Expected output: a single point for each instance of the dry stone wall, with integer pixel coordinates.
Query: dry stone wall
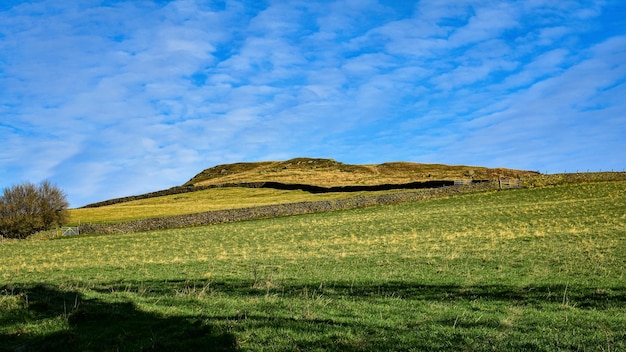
(276, 210)
(281, 186)
(269, 211)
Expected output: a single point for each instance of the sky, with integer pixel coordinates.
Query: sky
(114, 98)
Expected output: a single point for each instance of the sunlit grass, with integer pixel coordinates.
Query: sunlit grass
(538, 269)
(197, 202)
(327, 173)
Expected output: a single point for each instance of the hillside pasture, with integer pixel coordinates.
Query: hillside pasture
(200, 201)
(525, 270)
(330, 173)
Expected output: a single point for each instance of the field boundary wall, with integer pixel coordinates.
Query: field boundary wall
(276, 210)
(284, 186)
(268, 211)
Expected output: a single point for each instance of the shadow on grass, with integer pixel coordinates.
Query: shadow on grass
(547, 308)
(47, 318)
(91, 324)
(581, 297)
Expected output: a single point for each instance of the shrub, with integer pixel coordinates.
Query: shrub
(27, 208)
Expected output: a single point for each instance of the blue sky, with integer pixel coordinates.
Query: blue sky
(115, 98)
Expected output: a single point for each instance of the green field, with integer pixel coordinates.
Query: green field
(531, 269)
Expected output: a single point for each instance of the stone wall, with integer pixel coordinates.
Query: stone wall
(275, 210)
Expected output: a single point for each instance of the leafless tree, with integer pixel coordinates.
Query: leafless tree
(27, 208)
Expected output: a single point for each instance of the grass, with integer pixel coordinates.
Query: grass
(328, 173)
(530, 269)
(197, 202)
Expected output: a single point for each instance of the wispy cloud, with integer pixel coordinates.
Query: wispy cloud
(115, 98)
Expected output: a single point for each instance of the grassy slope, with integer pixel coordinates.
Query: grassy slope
(530, 269)
(327, 173)
(319, 172)
(197, 202)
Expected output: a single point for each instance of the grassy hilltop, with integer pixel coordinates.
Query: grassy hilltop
(328, 173)
(193, 197)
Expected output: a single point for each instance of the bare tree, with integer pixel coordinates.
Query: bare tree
(26, 209)
(52, 205)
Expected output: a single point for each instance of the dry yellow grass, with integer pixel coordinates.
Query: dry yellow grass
(197, 202)
(328, 173)
(317, 172)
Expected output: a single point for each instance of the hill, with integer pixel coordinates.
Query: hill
(272, 184)
(193, 205)
(331, 173)
(326, 175)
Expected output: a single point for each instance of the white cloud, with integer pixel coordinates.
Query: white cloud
(554, 121)
(543, 65)
(548, 36)
(133, 97)
(488, 22)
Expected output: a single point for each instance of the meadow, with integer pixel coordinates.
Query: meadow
(197, 202)
(528, 270)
